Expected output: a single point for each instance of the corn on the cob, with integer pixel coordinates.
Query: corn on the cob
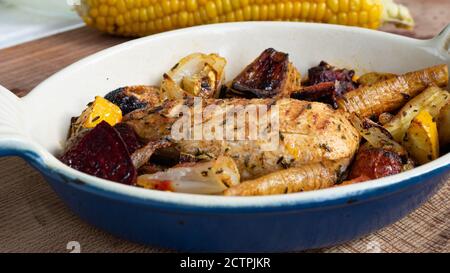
(144, 17)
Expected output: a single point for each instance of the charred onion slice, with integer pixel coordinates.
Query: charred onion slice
(195, 75)
(270, 75)
(376, 135)
(211, 177)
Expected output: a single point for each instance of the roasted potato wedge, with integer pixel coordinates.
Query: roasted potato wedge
(444, 125)
(432, 100)
(374, 77)
(421, 139)
(393, 93)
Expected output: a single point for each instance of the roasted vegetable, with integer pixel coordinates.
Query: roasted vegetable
(198, 75)
(375, 163)
(376, 135)
(444, 125)
(141, 156)
(98, 111)
(211, 177)
(421, 139)
(326, 84)
(374, 77)
(431, 100)
(129, 137)
(271, 75)
(131, 98)
(101, 152)
(385, 118)
(393, 93)
(141, 18)
(304, 178)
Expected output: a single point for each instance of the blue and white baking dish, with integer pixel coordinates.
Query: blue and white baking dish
(34, 128)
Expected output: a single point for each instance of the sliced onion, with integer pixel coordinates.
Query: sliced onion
(211, 177)
(195, 75)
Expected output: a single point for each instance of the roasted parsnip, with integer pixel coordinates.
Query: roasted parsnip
(304, 178)
(374, 77)
(391, 94)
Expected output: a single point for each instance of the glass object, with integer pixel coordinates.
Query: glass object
(45, 7)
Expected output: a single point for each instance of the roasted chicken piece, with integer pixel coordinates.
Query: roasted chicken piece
(310, 135)
(271, 75)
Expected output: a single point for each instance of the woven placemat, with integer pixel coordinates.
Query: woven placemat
(33, 219)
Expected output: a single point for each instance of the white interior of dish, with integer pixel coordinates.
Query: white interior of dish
(51, 105)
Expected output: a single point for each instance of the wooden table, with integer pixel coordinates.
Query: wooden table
(33, 219)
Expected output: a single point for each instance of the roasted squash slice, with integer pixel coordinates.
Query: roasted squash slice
(421, 139)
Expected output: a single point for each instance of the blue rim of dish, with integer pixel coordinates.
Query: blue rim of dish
(52, 168)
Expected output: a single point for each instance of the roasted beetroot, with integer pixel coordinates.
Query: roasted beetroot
(129, 137)
(375, 163)
(326, 84)
(102, 153)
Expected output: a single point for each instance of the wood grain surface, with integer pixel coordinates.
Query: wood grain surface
(33, 219)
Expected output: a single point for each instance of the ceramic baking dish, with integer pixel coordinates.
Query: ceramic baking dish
(34, 127)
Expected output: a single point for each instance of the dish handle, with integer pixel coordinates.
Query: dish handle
(13, 138)
(442, 40)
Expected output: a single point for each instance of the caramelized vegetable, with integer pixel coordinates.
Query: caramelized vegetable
(304, 178)
(385, 118)
(431, 100)
(141, 156)
(195, 75)
(444, 125)
(101, 152)
(100, 110)
(131, 98)
(375, 163)
(211, 177)
(374, 77)
(421, 139)
(392, 94)
(271, 75)
(326, 84)
(376, 135)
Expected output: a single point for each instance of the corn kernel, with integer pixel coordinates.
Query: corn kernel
(142, 17)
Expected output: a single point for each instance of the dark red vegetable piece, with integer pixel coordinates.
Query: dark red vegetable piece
(326, 84)
(265, 77)
(102, 153)
(129, 137)
(375, 163)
